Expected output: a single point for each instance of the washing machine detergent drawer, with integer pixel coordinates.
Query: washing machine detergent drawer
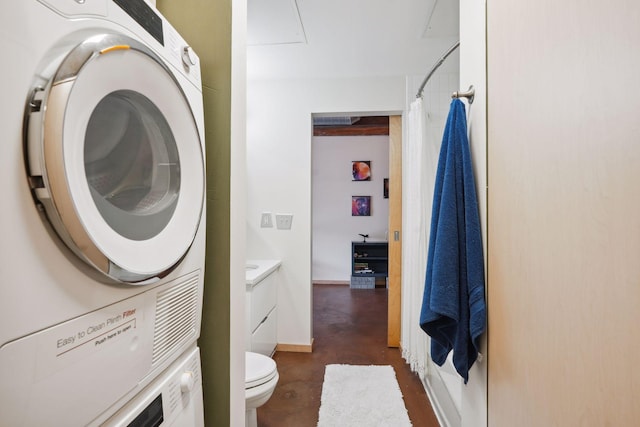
(71, 372)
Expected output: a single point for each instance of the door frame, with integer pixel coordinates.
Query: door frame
(394, 303)
(394, 306)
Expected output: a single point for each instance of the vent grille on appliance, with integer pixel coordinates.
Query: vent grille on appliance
(176, 313)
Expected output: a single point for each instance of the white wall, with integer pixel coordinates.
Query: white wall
(333, 226)
(237, 227)
(473, 72)
(279, 133)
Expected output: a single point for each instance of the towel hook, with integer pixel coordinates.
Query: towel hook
(470, 94)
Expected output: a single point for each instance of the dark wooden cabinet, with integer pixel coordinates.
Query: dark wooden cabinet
(369, 261)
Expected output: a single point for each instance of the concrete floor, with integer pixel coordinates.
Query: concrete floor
(350, 327)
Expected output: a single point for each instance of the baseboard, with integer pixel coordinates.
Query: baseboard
(331, 282)
(296, 348)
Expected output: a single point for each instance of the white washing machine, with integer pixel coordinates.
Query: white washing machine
(103, 203)
(173, 399)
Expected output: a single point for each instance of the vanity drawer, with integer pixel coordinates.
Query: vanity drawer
(264, 338)
(263, 300)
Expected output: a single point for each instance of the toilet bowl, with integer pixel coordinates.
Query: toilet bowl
(261, 377)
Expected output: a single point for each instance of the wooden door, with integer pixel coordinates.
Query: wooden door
(395, 231)
(564, 197)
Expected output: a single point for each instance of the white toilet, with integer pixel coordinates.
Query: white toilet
(261, 377)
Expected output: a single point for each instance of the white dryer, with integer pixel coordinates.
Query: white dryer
(103, 175)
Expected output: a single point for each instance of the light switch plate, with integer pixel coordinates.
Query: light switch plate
(283, 221)
(265, 220)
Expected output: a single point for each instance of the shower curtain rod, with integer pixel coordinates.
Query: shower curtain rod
(435, 67)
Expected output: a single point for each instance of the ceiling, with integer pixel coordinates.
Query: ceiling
(329, 38)
(369, 125)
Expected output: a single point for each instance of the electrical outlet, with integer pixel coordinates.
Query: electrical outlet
(265, 220)
(283, 221)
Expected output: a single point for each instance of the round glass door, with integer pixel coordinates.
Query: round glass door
(122, 159)
(131, 164)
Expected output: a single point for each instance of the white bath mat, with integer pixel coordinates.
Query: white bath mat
(367, 396)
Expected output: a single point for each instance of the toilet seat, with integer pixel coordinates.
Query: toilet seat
(259, 369)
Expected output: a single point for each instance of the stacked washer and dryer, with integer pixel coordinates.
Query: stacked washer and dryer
(103, 229)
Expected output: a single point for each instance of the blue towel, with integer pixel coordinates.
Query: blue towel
(453, 307)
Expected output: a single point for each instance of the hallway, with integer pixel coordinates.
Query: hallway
(350, 327)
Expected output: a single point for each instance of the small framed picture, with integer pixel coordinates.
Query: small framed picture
(361, 170)
(360, 205)
(385, 188)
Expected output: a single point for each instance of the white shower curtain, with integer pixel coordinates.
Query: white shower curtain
(420, 159)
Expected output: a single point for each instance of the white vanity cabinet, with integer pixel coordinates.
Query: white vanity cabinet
(261, 309)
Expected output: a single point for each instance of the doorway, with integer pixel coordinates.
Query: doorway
(340, 144)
